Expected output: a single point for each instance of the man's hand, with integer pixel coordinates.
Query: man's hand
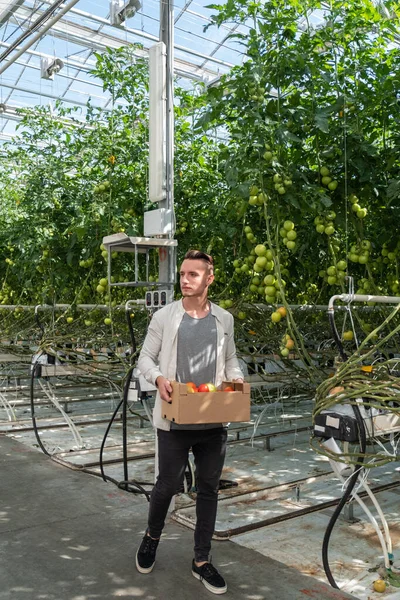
(164, 387)
(239, 380)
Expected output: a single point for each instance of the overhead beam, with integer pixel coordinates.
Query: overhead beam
(50, 23)
(9, 10)
(87, 36)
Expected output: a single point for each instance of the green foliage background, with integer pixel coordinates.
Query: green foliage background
(305, 98)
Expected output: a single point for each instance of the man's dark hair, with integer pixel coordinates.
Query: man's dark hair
(199, 255)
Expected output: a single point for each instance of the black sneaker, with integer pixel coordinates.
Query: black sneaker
(210, 577)
(146, 555)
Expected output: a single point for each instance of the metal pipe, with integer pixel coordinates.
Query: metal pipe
(38, 35)
(362, 298)
(151, 37)
(47, 95)
(68, 62)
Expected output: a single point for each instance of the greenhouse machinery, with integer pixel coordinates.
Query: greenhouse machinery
(358, 406)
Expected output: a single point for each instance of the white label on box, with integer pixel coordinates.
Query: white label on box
(319, 428)
(332, 422)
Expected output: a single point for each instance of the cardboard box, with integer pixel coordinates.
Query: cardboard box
(208, 407)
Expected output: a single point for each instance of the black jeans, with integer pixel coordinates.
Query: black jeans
(208, 447)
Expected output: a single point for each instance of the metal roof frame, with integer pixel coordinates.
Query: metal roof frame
(91, 32)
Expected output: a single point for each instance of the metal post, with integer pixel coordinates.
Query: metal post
(167, 264)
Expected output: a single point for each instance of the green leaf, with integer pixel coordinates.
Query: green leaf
(232, 176)
(321, 122)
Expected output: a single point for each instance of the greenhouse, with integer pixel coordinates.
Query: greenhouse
(199, 299)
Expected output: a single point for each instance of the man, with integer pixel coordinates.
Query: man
(188, 340)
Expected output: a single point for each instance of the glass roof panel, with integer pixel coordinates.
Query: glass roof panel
(86, 28)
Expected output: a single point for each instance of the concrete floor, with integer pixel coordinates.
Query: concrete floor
(66, 535)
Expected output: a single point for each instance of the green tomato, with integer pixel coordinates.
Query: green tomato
(269, 280)
(270, 290)
(362, 213)
(260, 250)
(288, 225)
(261, 261)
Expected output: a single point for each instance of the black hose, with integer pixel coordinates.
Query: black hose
(131, 333)
(124, 420)
(129, 486)
(353, 480)
(336, 336)
(35, 368)
(39, 323)
(126, 484)
(105, 439)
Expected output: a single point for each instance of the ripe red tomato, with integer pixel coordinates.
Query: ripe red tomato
(203, 387)
(228, 388)
(206, 387)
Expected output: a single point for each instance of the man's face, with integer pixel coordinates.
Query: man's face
(195, 277)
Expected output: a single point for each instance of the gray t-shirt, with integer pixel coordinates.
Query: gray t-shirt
(197, 356)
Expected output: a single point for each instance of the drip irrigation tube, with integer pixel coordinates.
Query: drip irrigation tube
(363, 443)
(345, 497)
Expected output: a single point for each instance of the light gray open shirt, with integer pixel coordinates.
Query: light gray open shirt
(159, 351)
